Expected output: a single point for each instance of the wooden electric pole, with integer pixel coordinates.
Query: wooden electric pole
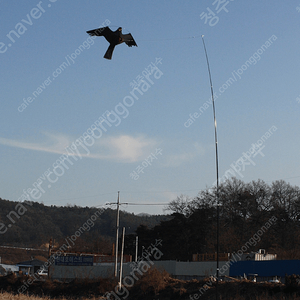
(117, 235)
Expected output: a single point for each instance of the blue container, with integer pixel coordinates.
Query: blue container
(267, 268)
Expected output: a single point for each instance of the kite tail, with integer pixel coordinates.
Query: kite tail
(109, 52)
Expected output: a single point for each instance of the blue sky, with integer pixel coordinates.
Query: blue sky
(56, 86)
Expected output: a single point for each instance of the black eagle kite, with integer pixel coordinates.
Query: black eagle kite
(114, 38)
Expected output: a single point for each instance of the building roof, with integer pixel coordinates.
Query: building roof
(34, 262)
(12, 268)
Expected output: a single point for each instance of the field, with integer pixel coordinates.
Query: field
(8, 296)
(154, 285)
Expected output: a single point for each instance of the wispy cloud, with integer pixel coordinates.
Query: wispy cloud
(123, 148)
(51, 143)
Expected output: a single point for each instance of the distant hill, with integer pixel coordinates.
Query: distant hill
(12, 255)
(32, 224)
(252, 216)
(143, 215)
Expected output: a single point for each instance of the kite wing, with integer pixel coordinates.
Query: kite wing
(128, 39)
(100, 32)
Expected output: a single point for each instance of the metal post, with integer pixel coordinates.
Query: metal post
(117, 235)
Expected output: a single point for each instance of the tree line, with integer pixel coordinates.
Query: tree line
(190, 227)
(37, 223)
(244, 208)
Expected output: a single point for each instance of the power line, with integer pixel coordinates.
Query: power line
(172, 39)
(130, 203)
(151, 192)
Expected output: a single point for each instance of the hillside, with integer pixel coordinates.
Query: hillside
(252, 216)
(32, 224)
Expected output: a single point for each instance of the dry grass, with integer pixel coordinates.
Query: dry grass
(159, 285)
(264, 297)
(154, 280)
(153, 284)
(8, 296)
(48, 289)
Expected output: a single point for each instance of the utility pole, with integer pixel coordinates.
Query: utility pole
(121, 262)
(136, 247)
(117, 235)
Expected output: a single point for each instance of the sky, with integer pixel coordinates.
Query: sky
(77, 128)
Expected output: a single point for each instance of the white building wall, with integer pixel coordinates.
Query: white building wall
(172, 267)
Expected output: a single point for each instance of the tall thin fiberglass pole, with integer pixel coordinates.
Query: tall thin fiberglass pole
(217, 163)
